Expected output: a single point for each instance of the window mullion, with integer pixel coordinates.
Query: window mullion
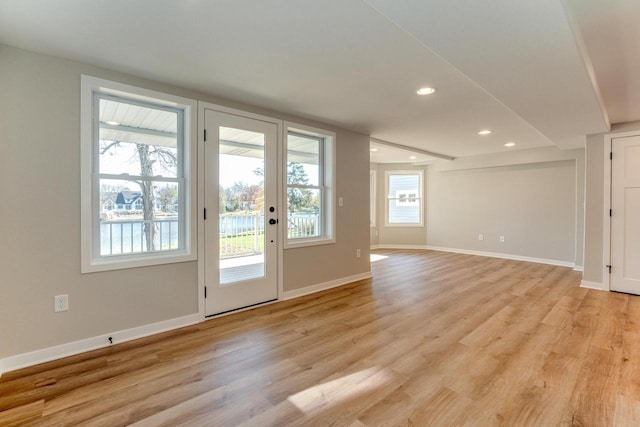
(126, 177)
(305, 186)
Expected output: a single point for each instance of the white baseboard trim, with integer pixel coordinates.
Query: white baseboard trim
(324, 286)
(592, 285)
(504, 256)
(400, 247)
(578, 268)
(36, 357)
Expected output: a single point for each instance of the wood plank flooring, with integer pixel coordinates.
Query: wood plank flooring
(435, 339)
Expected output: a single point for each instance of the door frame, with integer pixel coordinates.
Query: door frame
(606, 226)
(202, 106)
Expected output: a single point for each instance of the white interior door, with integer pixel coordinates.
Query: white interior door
(625, 219)
(241, 212)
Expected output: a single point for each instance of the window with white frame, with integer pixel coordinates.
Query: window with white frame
(372, 198)
(309, 186)
(404, 198)
(136, 166)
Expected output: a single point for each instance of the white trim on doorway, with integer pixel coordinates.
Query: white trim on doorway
(606, 219)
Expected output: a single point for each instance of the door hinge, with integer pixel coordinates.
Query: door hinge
(205, 291)
(611, 155)
(205, 213)
(609, 267)
(205, 134)
(610, 212)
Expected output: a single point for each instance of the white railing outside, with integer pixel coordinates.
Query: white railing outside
(119, 237)
(243, 234)
(307, 225)
(240, 234)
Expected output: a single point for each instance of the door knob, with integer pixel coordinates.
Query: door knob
(273, 221)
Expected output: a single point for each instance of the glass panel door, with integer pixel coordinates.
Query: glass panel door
(241, 228)
(241, 202)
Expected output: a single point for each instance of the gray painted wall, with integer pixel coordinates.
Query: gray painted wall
(533, 205)
(318, 264)
(594, 207)
(40, 208)
(532, 197)
(535, 198)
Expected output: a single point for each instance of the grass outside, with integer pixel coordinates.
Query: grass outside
(242, 244)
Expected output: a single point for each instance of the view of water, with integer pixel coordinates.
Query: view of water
(125, 237)
(231, 225)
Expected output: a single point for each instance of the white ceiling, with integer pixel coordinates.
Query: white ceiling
(532, 71)
(385, 153)
(611, 33)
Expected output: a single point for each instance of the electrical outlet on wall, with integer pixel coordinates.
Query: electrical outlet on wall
(480, 236)
(502, 239)
(60, 303)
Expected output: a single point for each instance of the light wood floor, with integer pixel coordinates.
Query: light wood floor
(434, 339)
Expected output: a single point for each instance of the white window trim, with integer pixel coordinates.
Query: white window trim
(420, 174)
(372, 203)
(89, 192)
(328, 202)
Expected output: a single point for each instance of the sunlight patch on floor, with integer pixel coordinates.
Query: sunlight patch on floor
(334, 392)
(376, 257)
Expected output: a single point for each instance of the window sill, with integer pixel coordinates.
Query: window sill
(117, 263)
(302, 243)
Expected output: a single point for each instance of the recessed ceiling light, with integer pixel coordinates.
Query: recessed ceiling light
(485, 132)
(374, 149)
(509, 144)
(412, 157)
(425, 91)
(112, 123)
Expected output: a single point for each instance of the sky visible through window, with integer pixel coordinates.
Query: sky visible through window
(234, 169)
(239, 169)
